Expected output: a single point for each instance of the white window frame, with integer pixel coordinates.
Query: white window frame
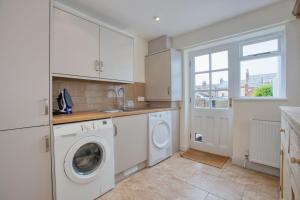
(242, 39)
(230, 89)
(282, 71)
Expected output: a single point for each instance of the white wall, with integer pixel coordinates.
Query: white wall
(271, 15)
(244, 111)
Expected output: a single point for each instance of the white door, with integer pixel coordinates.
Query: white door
(24, 63)
(75, 46)
(25, 164)
(210, 89)
(116, 54)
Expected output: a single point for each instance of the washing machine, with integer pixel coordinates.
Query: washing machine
(160, 137)
(84, 159)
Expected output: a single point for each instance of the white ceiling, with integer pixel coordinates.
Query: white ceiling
(177, 16)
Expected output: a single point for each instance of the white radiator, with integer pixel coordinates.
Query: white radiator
(265, 143)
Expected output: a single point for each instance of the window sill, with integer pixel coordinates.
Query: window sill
(260, 99)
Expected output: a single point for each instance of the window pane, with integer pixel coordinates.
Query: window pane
(261, 47)
(219, 99)
(202, 81)
(260, 78)
(202, 99)
(202, 63)
(219, 60)
(220, 80)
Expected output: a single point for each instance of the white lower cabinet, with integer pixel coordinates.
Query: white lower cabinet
(175, 117)
(25, 164)
(130, 141)
(290, 160)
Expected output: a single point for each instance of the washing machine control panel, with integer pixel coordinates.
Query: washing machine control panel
(87, 127)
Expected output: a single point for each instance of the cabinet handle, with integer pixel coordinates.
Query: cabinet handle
(168, 90)
(101, 66)
(295, 160)
(97, 65)
(230, 102)
(46, 111)
(47, 143)
(115, 130)
(282, 130)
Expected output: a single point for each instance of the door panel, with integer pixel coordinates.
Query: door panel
(76, 45)
(25, 164)
(158, 66)
(117, 55)
(210, 90)
(125, 155)
(24, 61)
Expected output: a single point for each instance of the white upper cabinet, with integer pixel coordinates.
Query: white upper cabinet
(24, 63)
(75, 46)
(116, 55)
(164, 76)
(86, 50)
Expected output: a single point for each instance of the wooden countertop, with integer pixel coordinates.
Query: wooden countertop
(293, 116)
(93, 115)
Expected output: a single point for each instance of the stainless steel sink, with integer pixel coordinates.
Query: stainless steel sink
(119, 110)
(113, 111)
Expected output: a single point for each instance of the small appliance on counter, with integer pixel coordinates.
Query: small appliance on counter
(65, 103)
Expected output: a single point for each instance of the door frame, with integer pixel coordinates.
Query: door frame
(232, 75)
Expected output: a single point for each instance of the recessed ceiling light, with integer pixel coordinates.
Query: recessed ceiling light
(156, 18)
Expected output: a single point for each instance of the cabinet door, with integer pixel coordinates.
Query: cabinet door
(158, 76)
(75, 46)
(25, 164)
(175, 130)
(116, 56)
(286, 180)
(176, 76)
(24, 61)
(130, 141)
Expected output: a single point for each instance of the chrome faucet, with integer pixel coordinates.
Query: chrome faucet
(124, 100)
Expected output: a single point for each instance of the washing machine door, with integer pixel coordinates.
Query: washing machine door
(161, 135)
(86, 158)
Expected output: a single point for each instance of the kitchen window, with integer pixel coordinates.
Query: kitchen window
(261, 69)
(248, 67)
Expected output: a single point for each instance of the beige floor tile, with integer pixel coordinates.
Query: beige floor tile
(181, 179)
(217, 185)
(212, 197)
(252, 195)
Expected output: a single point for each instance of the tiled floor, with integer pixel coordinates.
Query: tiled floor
(180, 179)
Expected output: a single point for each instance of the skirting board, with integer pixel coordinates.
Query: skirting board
(184, 148)
(256, 167)
(123, 175)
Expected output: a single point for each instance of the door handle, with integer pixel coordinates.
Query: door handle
(46, 111)
(47, 143)
(282, 130)
(295, 160)
(101, 66)
(230, 102)
(97, 65)
(115, 130)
